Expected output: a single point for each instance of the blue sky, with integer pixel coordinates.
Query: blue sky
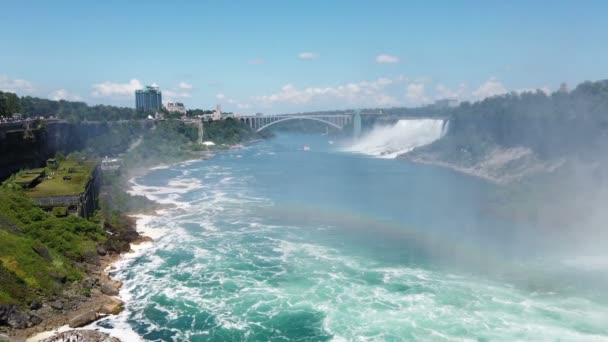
(288, 56)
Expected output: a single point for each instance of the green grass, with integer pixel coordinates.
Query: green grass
(23, 273)
(59, 211)
(57, 186)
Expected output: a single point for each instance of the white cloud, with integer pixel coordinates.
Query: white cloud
(106, 89)
(387, 59)
(491, 87)
(15, 85)
(459, 93)
(62, 94)
(308, 55)
(416, 93)
(172, 94)
(223, 98)
(256, 61)
(185, 86)
(359, 93)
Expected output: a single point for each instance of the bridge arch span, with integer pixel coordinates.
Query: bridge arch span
(329, 123)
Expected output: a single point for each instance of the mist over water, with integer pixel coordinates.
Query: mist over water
(273, 242)
(389, 141)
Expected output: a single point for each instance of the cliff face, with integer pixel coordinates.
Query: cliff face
(20, 148)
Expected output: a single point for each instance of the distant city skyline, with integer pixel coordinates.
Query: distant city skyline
(279, 57)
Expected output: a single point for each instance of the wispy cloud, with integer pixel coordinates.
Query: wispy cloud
(459, 93)
(382, 92)
(491, 87)
(62, 94)
(107, 89)
(387, 59)
(171, 95)
(15, 85)
(239, 105)
(185, 86)
(416, 93)
(308, 55)
(360, 93)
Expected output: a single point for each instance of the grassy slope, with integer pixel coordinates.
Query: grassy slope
(24, 274)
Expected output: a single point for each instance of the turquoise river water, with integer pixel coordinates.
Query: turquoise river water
(273, 242)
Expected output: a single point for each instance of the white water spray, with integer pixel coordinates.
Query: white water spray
(401, 137)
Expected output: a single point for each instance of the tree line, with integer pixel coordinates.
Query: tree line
(551, 124)
(76, 111)
(30, 107)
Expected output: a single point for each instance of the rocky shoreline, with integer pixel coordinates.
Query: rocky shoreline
(82, 302)
(77, 307)
(57, 324)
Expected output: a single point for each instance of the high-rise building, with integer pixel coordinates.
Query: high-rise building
(148, 99)
(563, 88)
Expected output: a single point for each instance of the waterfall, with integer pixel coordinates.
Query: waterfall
(401, 137)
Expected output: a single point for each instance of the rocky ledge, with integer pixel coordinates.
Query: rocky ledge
(72, 308)
(81, 336)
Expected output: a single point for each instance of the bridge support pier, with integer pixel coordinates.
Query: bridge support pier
(357, 125)
(200, 132)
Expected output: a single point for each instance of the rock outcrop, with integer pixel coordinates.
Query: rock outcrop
(11, 315)
(83, 319)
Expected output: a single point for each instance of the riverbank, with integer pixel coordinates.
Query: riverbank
(104, 302)
(73, 309)
(500, 166)
(105, 297)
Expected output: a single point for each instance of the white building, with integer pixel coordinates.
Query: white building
(176, 107)
(217, 115)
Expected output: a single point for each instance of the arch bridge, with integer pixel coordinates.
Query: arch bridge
(261, 122)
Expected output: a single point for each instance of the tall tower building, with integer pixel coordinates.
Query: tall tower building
(217, 115)
(148, 99)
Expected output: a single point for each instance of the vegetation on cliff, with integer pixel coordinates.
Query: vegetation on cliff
(40, 253)
(173, 140)
(524, 132)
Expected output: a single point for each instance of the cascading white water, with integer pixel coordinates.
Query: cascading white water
(401, 137)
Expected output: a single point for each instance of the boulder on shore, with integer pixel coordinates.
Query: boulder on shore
(81, 335)
(57, 305)
(83, 319)
(113, 307)
(109, 289)
(11, 315)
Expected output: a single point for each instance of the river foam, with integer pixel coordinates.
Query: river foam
(223, 269)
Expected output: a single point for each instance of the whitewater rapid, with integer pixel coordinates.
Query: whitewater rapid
(275, 243)
(389, 141)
